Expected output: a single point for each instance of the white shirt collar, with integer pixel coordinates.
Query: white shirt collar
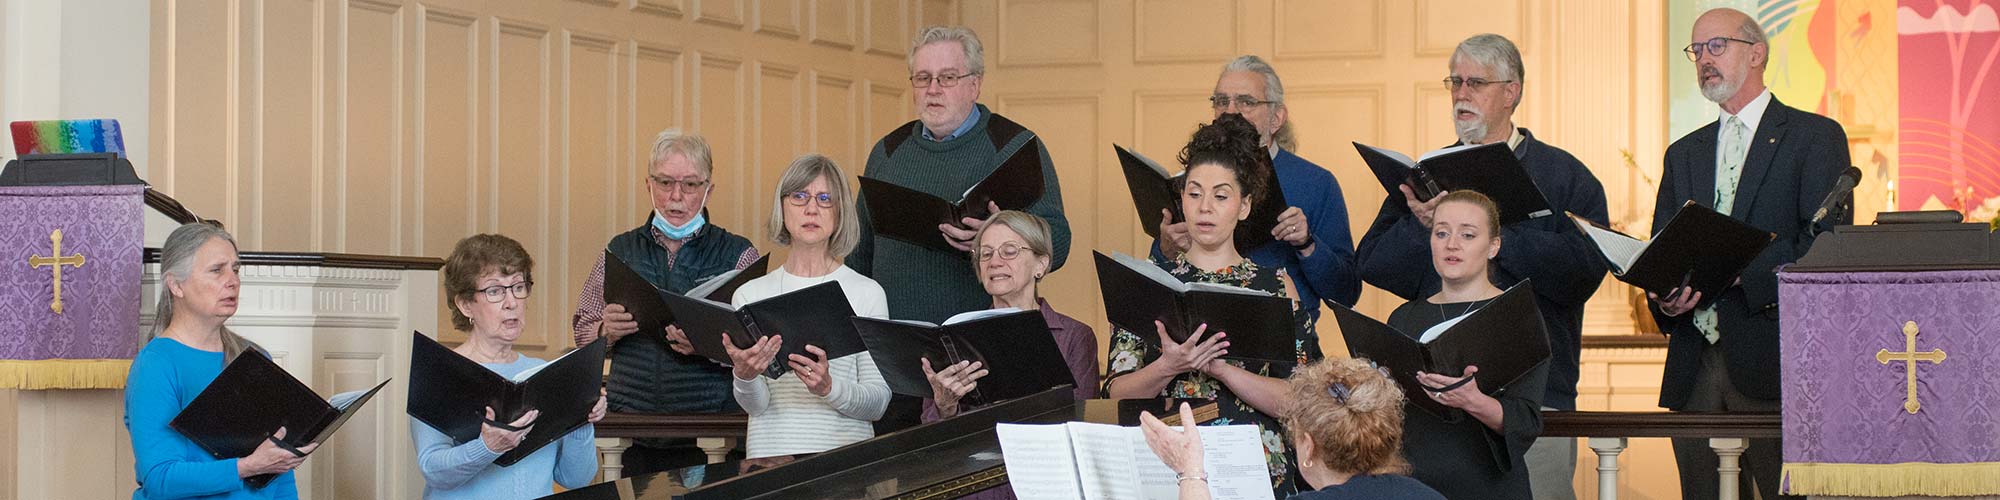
(1751, 114)
(1514, 141)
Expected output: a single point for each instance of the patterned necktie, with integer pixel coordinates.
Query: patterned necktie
(1728, 172)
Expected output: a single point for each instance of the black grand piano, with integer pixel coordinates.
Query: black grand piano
(946, 459)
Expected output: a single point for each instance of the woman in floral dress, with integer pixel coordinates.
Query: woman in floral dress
(1225, 175)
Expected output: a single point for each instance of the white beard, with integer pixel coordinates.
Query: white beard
(1469, 131)
(1722, 91)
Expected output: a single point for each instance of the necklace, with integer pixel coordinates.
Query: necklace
(1469, 306)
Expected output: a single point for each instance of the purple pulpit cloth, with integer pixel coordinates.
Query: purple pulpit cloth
(89, 344)
(1848, 430)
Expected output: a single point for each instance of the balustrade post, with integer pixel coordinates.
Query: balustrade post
(611, 457)
(1727, 452)
(1608, 449)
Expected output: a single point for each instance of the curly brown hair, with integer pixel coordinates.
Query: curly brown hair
(475, 256)
(1231, 142)
(1361, 433)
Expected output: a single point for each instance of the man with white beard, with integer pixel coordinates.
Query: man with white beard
(1485, 83)
(1768, 165)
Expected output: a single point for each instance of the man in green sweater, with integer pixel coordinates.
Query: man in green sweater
(952, 145)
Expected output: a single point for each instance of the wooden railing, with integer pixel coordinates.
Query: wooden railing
(714, 434)
(1607, 431)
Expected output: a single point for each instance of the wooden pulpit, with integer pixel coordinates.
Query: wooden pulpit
(1891, 362)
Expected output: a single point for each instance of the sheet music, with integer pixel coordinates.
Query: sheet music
(1110, 462)
(979, 315)
(1149, 270)
(1620, 250)
(716, 282)
(1445, 151)
(1039, 462)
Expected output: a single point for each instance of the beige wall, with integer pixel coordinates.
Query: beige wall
(399, 127)
(1086, 74)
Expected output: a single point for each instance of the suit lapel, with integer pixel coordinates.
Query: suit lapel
(1770, 131)
(1700, 181)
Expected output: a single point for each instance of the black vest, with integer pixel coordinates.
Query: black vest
(646, 376)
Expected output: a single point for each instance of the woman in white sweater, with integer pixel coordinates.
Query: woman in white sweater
(820, 404)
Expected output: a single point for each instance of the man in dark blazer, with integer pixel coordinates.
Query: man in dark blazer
(1766, 164)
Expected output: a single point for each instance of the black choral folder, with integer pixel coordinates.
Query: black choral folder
(1699, 248)
(1490, 169)
(815, 315)
(1153, 189)
(1137, 293)
(1016, 347)
(626, 287)
(1505, 339)
(251, 399)
(913, 216)
(451, 393)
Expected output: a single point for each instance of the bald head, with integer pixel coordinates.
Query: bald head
(1729, 57)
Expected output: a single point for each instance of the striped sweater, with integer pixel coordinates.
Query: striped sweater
(788, 419)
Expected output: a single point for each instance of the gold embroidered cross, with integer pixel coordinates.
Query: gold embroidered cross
(55, 263)
(1909, 356)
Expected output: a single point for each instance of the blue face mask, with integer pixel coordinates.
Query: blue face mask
(681, 232)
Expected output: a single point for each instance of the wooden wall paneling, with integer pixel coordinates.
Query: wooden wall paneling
(779, 18)
(1335, 29)
(834, 23)
(657, 101)
(1441, 24)
(725, 13)
(366, 170)
(720, 116)
(1043, 32)
(666, 8)
(591, 146)
(836, 119)
(351, 470)
(446, 113)
(780, 138)
(285, 107)
(1171, 31)
(521, 165)
(193, 161)
(935, 12)
(888, 108)
(890, 27)
(1094, 196)
(1431, 106)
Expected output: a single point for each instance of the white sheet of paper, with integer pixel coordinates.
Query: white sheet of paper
(1040, 465)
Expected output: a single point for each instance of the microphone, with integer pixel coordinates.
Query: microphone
(1841, 187)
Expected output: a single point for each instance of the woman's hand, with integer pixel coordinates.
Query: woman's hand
(597, 412)
(501, 440)
(812, 372)
(678, 341)
(1179, 448)
(1195, 354)
(268, 458)
(748, 363)
(953, 383)
(1464, 397)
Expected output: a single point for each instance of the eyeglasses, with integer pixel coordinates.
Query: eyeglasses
(923, 80)
(1454, 83)
(496, 293)
(1223, 102)
(1715, 47)
(1006, 251)
(798, 199)
(685, 186)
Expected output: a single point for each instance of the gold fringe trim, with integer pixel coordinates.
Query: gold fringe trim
(44, 374)
(1884, 480)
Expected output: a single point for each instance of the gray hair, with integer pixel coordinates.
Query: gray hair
(1274, 90)
(847, 233)
(975, 55)
(1496, 53)
(673, 141)
(176, 261)
(1751, 31)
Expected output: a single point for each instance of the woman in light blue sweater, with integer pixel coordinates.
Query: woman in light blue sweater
(183, 352)
(487, 278)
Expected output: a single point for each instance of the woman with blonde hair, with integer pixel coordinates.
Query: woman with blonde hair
(1346, 422)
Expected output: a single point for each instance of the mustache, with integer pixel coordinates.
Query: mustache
(1466, 108)
(1708, 70)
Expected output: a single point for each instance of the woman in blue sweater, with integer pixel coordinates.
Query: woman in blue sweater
(487, 279)
(184, 351)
